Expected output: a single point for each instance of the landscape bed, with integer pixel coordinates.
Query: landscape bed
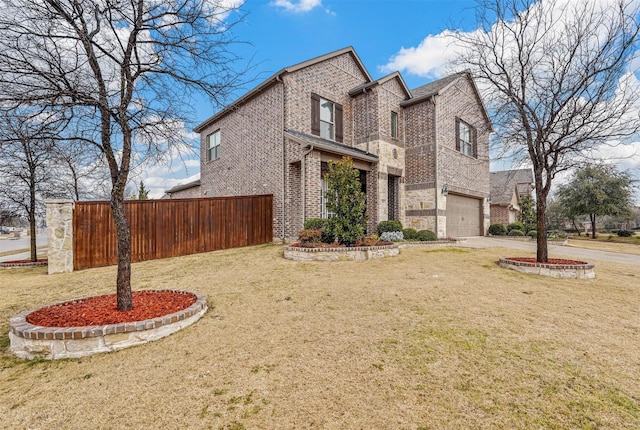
(554, 267)
(92, 325)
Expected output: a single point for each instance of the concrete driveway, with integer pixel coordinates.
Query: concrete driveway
(8, 243)
(583, 254)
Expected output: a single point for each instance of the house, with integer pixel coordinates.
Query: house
(507, 189)
(422, 154)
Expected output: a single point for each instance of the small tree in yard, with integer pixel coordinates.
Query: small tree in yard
(124, 71)
(143, 193)
(527, 214)
(346, 200)
(597, 190)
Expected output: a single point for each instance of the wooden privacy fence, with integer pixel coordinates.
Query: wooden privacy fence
(169, 228)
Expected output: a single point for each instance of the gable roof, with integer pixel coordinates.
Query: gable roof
(395, 75)
(435, 88)
(277, 78)
(503, 184)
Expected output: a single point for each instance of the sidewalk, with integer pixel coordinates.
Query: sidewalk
(583, 254)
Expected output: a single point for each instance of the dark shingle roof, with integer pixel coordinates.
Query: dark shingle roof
(434, 87)
(503, 184)
(330, 145)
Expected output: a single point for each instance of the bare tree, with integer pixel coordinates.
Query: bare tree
(125, 67)
(27, 154)
(557, 81)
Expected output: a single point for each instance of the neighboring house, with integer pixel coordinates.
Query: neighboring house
(507, 188)
(422, 154)
(184, 191)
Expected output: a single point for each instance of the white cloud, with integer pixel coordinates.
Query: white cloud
(433, 57)
(300, 6)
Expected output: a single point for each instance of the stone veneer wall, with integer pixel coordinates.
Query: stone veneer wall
(59, 215)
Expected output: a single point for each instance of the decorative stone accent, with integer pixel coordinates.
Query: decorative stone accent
(566, 271)
(340, 254)
(60, 235)
(440, 243)
(52, 343)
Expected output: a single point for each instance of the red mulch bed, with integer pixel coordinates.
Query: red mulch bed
(102, 310)
(553, 261)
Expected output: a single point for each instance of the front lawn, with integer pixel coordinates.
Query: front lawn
(431, 339)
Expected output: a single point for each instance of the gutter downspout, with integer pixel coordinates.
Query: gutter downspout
(284, 165)
(303, 161)
(435, 141)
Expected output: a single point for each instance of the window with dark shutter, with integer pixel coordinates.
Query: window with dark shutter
(339, 131)
(315, 114)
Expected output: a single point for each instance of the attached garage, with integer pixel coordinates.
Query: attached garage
(464, 216)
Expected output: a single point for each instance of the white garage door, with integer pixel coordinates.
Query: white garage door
(464, 215)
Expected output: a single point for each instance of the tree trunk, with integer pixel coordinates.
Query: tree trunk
(542, 253)
(593, 225)
(573, 221)
(32, 223)
(123, 280)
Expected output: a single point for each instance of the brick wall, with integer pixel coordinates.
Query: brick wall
(251, 152)
(331, 79)
(461, 173)
(499, 214)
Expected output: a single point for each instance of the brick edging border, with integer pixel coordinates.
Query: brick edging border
(31, 341)
(566, 271)
(17, 265)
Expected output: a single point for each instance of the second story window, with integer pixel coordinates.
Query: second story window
(326, 118)
(394, 125)
(465, 138)
(213, 145)
(327, 121)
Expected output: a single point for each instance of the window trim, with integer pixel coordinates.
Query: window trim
(394, 126)
(338, 124)
(472, 144)
(216, 147)
(332, 124)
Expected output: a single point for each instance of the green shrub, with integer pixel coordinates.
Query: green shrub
(390, 225)
(410, 233)
(516, 232)
(532, 234)
(347, 202)
(425, 235)
(320, 224)
(515, 226)
(557, 234)
(624, 233)
(315, 223)
(497, 230)
(310, 235)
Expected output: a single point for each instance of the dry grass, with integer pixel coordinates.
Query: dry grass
(601, 245)
(426, 340)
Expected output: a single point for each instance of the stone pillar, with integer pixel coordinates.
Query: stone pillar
(60, 235)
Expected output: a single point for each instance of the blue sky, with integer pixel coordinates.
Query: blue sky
(388, 35)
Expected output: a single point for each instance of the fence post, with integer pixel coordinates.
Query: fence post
(60, 235)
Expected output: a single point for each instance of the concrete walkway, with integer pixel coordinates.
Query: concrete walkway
(583, 254)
